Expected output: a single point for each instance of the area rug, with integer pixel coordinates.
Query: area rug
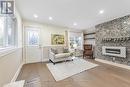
(64, 70)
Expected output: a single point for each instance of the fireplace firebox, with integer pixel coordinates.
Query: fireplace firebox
(114, 51)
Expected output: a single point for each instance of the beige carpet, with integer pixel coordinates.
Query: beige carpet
(64, 70)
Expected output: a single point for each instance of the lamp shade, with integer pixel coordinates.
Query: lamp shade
(75, 46)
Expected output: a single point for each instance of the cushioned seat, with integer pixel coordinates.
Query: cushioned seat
(62, 55)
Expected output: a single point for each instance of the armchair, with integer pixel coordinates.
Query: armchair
(57, 55)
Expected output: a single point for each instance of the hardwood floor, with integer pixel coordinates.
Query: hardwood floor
(38, 75)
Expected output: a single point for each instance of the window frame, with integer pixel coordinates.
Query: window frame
(30, 28)
(3, 35)
(71, 38)
(6, 45)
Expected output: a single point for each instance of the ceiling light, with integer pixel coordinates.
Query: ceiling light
(35, 16)
(74, 24)
(101, 11)
(50, 18)
(125, 22)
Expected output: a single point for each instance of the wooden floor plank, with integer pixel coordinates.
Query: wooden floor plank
(38, 75)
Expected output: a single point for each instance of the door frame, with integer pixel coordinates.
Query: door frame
(25, 41)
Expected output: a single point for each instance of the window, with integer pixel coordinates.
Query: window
(33, 37)
(75, 42)
(11, 31)
(7, 31)
(1, 31)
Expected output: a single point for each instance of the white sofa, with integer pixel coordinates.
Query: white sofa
(59, 56)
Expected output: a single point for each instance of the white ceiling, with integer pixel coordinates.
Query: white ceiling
(65, 12)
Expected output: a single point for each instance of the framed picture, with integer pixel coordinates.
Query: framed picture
(57, 39)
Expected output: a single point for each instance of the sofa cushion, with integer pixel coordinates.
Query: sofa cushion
(62, 55)
(65, 50)
(54, 51)
(60, 50)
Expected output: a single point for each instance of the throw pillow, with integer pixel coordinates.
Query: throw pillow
(60, 50)
(54, 51)
(65, 50)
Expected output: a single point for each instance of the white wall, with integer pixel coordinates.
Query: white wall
(10, 62)
(9, 65)
(45, 34)
(20, 30)
(46, 31)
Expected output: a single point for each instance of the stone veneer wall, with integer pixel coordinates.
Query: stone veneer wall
(113, 29)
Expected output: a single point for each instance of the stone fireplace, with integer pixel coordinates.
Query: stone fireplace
(113, 40)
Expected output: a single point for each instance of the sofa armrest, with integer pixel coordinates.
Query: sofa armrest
(51, 55)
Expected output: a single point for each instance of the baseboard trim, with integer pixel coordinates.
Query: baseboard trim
(112, 63)
(17, 73)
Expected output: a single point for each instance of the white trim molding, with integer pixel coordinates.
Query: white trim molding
(17, 73)
(112, 63)
(8, 50)
(15, 84)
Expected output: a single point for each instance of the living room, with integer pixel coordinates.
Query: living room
(64, 43)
